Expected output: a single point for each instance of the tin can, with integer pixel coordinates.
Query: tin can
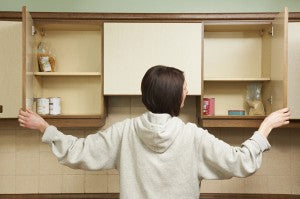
(54, 103)
(209, 106)
(42, 106)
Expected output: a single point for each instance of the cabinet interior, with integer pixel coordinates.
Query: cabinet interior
(236, 55)
(77, 79)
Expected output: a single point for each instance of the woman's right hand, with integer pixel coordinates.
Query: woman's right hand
(31, 120)
(274, 120)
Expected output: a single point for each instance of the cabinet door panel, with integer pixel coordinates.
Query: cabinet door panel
(279, 62)
(130, 49)
(294, 69)
(27, 56)
(10, 68)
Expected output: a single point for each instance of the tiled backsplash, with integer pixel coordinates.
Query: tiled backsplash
(28, 166)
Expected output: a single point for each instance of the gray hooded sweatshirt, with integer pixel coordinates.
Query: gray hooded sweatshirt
(158, 156)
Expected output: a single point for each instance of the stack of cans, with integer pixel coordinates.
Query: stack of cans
(46, 106)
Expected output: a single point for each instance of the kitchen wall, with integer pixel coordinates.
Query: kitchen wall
(28, 166)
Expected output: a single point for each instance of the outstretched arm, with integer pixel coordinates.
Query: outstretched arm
(219, 160)
(96, 151)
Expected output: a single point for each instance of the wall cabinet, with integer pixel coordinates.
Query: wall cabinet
(77, 80)
(138, 46)
(236, 55)
(104, 54)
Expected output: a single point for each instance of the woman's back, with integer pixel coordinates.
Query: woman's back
(158, 158)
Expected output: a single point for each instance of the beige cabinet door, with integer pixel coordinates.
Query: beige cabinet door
(294, 69)
(130, 49)
(10, 68)
(16, 74)
(279, 61)
(27, 59)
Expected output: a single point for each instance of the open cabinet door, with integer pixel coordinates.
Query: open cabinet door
(279, 61)
(27, 62)
(10, 68)
(294, 69)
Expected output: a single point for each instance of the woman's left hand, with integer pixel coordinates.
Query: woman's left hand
(275, 120)
(31, 120)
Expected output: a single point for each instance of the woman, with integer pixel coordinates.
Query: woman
(157, 155)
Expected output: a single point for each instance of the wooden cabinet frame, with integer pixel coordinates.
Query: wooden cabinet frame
(60, 17)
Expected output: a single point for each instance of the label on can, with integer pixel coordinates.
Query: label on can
(55, 108)
(43, 106)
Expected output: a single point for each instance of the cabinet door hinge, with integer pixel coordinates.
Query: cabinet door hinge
(33, 31)
(271, 31)
(270, 99)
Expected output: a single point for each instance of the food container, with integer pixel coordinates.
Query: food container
(209, 106)
(42, 106)
(54, 103)
(46, 59)
(236, 112)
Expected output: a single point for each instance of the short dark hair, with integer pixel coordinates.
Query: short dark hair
(162, 89)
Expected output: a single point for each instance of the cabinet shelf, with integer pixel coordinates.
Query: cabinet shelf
(231, 121)
(69, 116)
(233, 117)
(231, 79)
(86, 121)
(237, 26)
(67, 73)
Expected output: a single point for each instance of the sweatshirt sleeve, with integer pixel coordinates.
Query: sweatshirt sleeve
(96, 151)
(219, 160)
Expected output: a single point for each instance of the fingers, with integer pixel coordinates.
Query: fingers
(284, 117)
(23, 113)
(284, 110)
(21, 117)
(31, 112)
(22, 122)
(23, 125)
(286, 122)
(287, 114)
(27, 113)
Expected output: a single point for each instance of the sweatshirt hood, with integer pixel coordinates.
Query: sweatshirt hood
(157, 131)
